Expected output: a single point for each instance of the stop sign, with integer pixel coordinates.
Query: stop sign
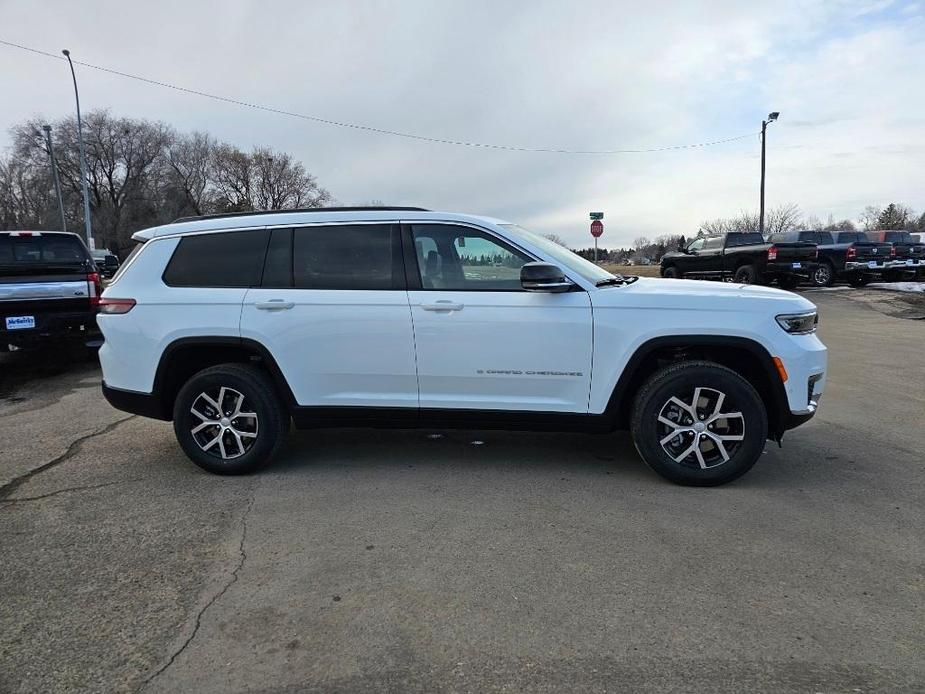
(597, 228)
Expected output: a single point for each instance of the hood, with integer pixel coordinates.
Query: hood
(699, 294)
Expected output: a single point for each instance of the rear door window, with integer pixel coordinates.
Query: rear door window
(347, 256)
(228, 259)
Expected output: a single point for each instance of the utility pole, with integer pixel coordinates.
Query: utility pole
(764, 126)
(83, 157)
(54, 173)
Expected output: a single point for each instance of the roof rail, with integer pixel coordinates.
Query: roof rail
(252, 213)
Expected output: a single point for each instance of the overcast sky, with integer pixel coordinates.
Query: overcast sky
(847, 77)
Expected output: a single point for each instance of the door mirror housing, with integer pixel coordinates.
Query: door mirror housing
(544, 277)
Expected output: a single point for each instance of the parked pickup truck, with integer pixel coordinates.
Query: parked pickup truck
(745, 258)
(908, 254)
(844, 255)
(49, 290)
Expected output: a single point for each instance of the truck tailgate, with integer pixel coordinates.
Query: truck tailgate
(795, 251)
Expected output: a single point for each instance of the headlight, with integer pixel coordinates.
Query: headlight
(799, 323)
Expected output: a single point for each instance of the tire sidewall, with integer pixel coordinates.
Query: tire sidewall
(745, 274)
(670, 272)
(738, 391)
(827, 282)
(257, 391)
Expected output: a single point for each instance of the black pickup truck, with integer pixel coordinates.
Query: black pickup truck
(49, 291)
(844, 255)
(743, 257)
(908, 254)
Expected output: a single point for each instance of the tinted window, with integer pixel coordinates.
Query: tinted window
(232, 259)
(850, 236)
(715, 242)
(898, 236)
(743, 239)
(816, 236)
(277, 270)
(462, 258)
(54, 249)
(347, 256)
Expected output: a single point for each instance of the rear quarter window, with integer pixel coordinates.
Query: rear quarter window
(228, 259)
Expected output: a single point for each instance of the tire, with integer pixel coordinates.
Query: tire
(746, 275)
(823, 275)
(859, 280)
(671, 272)
(678, 459)
(230, 446)
(789, 282)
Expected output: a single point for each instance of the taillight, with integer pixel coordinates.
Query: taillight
(852, 253)
(772, 253)
(116, 306)
(96, 287)
(892, 251)
(816, 254)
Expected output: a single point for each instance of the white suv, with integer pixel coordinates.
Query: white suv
(403, 317)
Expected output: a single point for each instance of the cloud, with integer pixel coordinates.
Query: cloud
(543, 74)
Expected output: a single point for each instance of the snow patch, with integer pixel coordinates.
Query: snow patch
(917, 287)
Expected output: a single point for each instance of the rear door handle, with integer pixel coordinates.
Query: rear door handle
(442, 306)
(274, 305)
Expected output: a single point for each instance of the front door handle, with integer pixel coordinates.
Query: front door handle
(274, 305)
(442, 306)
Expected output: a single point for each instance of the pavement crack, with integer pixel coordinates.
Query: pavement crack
(242, 558)
(82, 488)
(71, 451)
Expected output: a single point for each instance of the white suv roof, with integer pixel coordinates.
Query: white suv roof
(283, 218)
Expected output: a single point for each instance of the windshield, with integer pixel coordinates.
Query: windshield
(561, 254)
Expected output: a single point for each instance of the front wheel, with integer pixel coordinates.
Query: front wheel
(229, 420)
(671, 272)
(699, 423)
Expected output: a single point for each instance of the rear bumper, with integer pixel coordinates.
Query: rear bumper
(910, 265)
(53, 329)
(143, 404)
(865, 266)
(781, 268)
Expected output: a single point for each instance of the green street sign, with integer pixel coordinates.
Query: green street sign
(597, 215)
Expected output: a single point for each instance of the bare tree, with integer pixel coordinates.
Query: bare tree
(785, 217)
(641, 242)
(781, 218)
(189, 174)
(555, 238)
(869, 216)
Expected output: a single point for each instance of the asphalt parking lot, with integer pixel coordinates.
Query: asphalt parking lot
(394, 560)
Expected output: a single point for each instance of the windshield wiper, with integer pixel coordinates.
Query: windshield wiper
(615, 281)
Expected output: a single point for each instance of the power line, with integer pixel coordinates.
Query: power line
(369, 128)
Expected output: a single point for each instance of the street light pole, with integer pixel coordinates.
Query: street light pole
(83, 156)
(54, 173)
(764, 126)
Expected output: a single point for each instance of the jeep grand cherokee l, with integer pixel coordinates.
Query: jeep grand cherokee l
(233, 326)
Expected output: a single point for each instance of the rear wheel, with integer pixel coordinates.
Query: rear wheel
(746, 275)
(671, 272)
(823, 275)
(228, 419)
(698, 423)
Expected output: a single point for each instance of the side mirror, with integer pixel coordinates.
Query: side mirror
(543, 277)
